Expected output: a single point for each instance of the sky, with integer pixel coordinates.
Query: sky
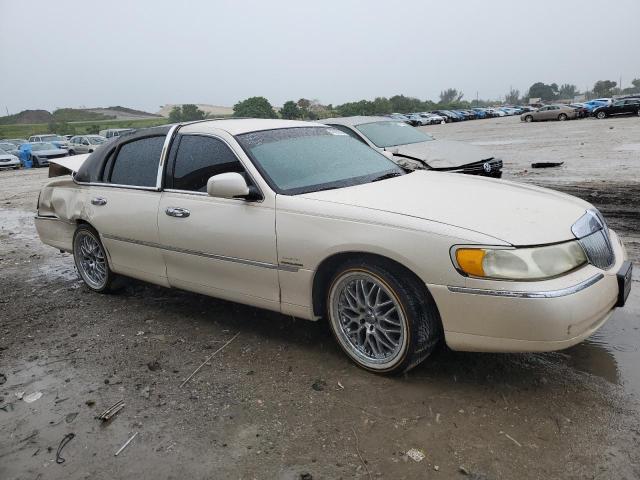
(147, 53)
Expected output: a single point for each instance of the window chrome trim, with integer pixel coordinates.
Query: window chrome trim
(524, 294)
(164, 154)
(243, 261)
(114, 185)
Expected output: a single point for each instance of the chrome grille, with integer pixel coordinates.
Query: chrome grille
(597, 247)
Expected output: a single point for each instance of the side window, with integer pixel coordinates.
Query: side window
(136, 163)
(198, 158)
(349, 132)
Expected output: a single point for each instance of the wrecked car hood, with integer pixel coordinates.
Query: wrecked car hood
(73, 163)
(442, 153)
(515, 213)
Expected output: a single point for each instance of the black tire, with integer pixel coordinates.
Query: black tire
(528, 119)
(420, 320)
(72, 152)
(109, 284)
(601, 115)
(35, 163)
(562, 117)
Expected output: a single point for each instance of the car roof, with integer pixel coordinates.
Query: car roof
(357, 120)
(237, 126)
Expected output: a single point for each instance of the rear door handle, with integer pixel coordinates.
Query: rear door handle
(98, 201)
(177, 212)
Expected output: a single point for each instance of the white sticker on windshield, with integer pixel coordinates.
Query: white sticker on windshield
(335, 131)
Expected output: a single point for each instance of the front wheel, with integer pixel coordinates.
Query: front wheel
(383, 319)
(528, 119)
(562, 117)
(601, 115)
(90, 258)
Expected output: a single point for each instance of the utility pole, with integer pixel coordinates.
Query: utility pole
(477, 101)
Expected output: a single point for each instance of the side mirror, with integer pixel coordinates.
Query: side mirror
(231, 185)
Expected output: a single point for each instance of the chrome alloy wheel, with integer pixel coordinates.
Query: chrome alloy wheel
(91, 260)
(368, 319)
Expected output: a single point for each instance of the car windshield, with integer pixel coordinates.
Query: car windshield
(308, 159)
(43, 146)
(391, 134)
(96, 140)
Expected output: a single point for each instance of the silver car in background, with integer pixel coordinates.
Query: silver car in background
(550, 112)
(85, 143)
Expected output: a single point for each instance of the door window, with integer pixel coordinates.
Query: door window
(136, 162)
(198, 158)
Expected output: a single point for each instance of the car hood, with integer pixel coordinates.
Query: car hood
(442, 153)
(44, 153)
(514, 213)
(8, 157)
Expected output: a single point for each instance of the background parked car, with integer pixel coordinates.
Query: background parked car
(10, 148)
(39, 153)
(414, 149)
(114, 132)
(16, 141)
(591, 105)
(629, 106)
(433, 118)
(581, 109)
(550, 112)
(58, 140)
(8, 160)
(85, 143)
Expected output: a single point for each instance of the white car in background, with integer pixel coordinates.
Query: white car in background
(8, 160)
(300, 218)
(85, 143)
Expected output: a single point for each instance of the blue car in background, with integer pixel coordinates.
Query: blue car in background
(38, 154)
(591, 105)
(480, 112)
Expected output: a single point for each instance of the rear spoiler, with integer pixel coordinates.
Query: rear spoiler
(66, 165)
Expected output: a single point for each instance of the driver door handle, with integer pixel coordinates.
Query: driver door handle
(177, 212)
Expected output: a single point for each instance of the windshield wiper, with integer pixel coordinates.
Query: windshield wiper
(386, 175)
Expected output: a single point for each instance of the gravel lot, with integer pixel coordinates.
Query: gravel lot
(281, 401)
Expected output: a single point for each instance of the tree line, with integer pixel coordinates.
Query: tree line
(451, 98)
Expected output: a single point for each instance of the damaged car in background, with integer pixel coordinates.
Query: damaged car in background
(414, 149)
(303, 219)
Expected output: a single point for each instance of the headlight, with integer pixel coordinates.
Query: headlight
(520, 263)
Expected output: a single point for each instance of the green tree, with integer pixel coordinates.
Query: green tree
(175, 115)
(93, 129)
(450, 95)
(191, 112)
(290, 110)
(185, 113)
(543, 91)
(402, 104)
(604, 88)
(255, 107)
(382, 105)
(567, 91)
(513, 97)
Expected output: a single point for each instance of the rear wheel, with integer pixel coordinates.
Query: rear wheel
(601, 115)
(562, 117)
(528, 119)
(382, 317)
(90, 258)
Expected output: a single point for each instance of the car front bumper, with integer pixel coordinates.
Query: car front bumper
(541, 316)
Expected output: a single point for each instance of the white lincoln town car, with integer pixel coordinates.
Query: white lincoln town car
(300, 218)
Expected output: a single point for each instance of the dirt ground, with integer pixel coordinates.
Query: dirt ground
(281, 401)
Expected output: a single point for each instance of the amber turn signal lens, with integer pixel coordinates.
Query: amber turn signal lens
(470, 261)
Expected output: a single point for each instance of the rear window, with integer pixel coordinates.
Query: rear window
(136, 163)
